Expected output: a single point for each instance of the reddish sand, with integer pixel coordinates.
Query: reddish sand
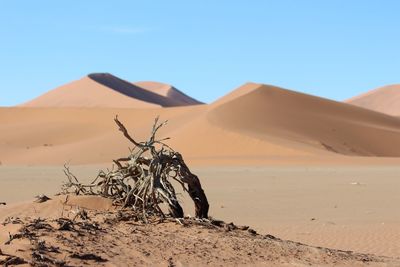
(254, 121)
(384, 99)
(255, 125)
(263, 110)
(106, 239)
(168, 91)
(105, 90)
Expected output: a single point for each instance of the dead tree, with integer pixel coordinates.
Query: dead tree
(142, 180)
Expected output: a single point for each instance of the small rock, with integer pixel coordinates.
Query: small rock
(229, 227)
(42, 198)
(270, 237)
(252, 231)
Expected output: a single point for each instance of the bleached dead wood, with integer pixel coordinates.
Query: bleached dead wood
(142, 180)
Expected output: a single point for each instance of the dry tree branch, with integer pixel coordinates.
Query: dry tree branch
(125, 132)
(143, 182)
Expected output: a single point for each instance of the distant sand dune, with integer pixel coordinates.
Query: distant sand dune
(168, 91)
(254, 121)
(106, 90)
(384, 99)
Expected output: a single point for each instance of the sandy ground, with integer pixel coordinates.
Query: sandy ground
(48, 234)
(342, 207)
(299, 167)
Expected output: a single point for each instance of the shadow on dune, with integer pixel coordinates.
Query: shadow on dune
(131, 90)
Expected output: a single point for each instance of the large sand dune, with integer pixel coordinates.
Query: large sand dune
(262, 110)
(384, 99)
(254, 121)
(106, 90)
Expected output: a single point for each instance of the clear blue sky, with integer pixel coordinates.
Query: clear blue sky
(330, 48)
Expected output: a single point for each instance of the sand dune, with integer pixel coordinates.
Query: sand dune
(260, 120)
(168, 91)
(254, 121)
(384, 99)
(106, 90)
(262, 110)
(76, 135)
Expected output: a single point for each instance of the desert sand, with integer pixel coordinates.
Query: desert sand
(168, 91)
(291, 165)
(253, 121)
(106, 90)
(108, 238)
(383, 99)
